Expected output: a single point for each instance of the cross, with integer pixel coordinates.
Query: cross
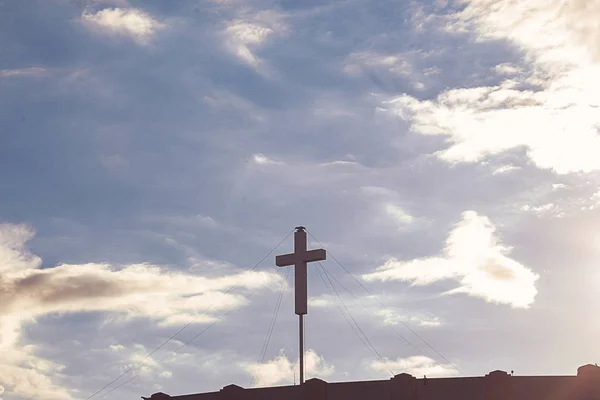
(299, 258)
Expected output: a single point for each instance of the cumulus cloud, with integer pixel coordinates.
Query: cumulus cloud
(130, 22)
(418, 366)
(25, 374)
(551, 110)
(475, 258)
(28, 291)
(281, 369)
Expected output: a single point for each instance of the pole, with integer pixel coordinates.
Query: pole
(301, 347)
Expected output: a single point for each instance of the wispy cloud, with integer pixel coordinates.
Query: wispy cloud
(261, 159)
(250, 32)
(418, 366)
(28, 291)
(475, 258)
(556, 123)
(30, 71)
(282, 370)
(130, 22)
(395, 317)
(398, 214)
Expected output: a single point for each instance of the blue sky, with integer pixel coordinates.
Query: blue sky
(152, 152)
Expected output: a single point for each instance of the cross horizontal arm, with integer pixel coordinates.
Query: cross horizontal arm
(314, 255)
(285, 260)
(307, 256)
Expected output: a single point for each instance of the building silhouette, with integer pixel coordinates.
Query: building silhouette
(497, 385)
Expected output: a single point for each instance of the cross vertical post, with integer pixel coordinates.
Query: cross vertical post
(299, 259)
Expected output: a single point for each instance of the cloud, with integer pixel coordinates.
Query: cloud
(130, 22)
(417, 366)
(398, 214)
(28, 376)
(262, 159)
(389, 68)
(548, 209)
(244, 34)
(116, 347)
(357, 63)
(505, 168)
(166, 374)
(393, 317)
(321, 301)
(475, 258)
(548, 108)
(281, 369)
(30, 71)
(140, 290)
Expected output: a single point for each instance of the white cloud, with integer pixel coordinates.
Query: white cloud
(548, 209)
(399, 215)
(116, 347)
(341, 163)
(281, 369)
(558, 125)
(26, 375)
(321, 301)
(417, 366)
(475, 258)
(357, 63)
(262, 159)
(504, 169)
(30, 71)
(244, 34)
(386, 210)
(28, 291)
(507, 69)
(393, 317)
(131, 22)
(166, 374)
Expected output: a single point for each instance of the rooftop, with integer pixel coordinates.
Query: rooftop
(497, 385)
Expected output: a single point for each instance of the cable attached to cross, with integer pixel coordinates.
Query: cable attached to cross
(351, 321)
(387, 308)
(265, 346)
(148, 355)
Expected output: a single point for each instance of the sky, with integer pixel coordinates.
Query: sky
(445, 153)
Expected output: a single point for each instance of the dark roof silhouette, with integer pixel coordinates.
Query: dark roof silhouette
(497, 385)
